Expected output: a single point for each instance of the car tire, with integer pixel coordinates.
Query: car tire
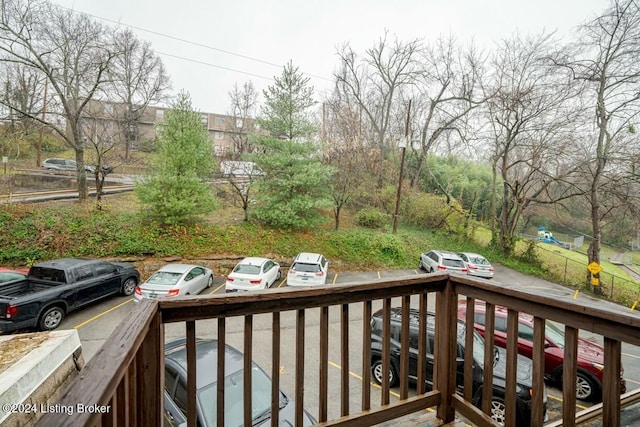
(279, 276)
(420, 266)
(498, 410)
(210, 282)
(51, 318)
(376, 372)
(587, 388)
(129, 286)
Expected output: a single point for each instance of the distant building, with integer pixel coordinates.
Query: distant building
(101, 119)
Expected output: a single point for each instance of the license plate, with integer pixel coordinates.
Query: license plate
(153, 295)
(305, 278)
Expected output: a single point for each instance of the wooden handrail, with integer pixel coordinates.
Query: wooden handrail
(131, 362)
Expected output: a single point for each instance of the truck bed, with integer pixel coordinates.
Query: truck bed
(25, 287)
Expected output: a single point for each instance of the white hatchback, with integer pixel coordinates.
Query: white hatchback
(308, 269)
(253, 273)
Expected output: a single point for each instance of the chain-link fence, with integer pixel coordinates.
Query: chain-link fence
(574, 273)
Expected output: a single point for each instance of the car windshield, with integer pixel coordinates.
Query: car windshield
(306, 268)
(247, 269)
(553, 333)
(9, 276)
(478, 348)
(233, 398)
(164, 278)
(478, 260)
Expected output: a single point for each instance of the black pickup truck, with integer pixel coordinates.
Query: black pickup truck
(54, 288)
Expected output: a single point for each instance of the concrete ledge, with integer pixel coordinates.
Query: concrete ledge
(38, 375)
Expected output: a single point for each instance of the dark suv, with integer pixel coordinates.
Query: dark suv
(524, 377)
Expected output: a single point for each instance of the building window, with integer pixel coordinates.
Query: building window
(239, 123)
(160, 115)
(218, 135)
(220, 121)
(219, 150)
(204, 119)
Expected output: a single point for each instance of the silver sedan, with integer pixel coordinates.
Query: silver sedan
(174, 280)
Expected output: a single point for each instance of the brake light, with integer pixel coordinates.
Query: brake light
(491, 269)
(472, 266)
(229, 279)
(320, 273)
(255, 282)
(442, 267)
(173, 293)
(12, 311)
(464, 270)
(138, 290)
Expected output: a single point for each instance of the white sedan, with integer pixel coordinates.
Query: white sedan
(253, 273)
(477, 265)
(174, 280)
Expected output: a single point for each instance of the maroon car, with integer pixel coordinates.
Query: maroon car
(590, 355)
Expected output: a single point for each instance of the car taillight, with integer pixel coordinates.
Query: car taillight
(173, 293)
(320, 273)
(472, 266)
(12, 311)
(138, 290)
(464, 270)
(442, 267)
(255, 282)
(229, 279)
(491, 269)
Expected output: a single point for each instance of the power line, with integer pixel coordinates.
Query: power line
(250, 58)
(214, 65)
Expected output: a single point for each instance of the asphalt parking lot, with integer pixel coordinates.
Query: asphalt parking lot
(96, 323)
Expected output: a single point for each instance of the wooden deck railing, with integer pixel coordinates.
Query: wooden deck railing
(126, 376)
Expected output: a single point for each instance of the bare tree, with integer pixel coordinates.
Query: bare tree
(23, 87)
(71, 51)
(532, 123)
(605, 58)
(373, 83)
(138, 79)
(344, 151)
(244, 102)
(446, 88)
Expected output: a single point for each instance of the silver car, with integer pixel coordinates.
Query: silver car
(174, 280)
(435, 260)
(477, 265)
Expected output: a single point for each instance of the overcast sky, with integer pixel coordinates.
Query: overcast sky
(226, 42)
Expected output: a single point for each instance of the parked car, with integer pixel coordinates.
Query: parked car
(477, 265)
(175, 389)
(231, 168)
(524, 365)
(436, 260)
(64, 165)
(54, 288)
(253, 273)
(308, 269)
(8, 275)
(174, 280)
(590, 356)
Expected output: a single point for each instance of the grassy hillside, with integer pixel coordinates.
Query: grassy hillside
(30, 233)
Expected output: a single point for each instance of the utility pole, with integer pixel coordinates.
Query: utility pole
(403, 147)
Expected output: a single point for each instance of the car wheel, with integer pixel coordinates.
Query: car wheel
(210, 281)
(420, 266)
(376, 370)
(51, 318)
(498, 410)
(279, 276)
(586, 387)
(129, 286)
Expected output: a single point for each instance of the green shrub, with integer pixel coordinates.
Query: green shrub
(371, 218)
